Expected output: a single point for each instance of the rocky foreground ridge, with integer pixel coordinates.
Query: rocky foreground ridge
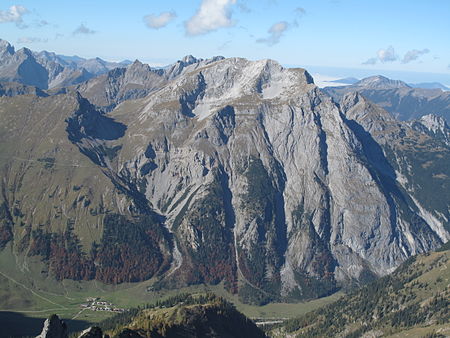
(230, 170)
(184, 315)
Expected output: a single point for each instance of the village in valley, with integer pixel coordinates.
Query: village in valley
(96, 304)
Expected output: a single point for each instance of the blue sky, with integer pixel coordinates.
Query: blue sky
(394, 36)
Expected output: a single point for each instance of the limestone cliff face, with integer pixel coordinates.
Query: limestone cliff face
(255, 177)
(257, 158)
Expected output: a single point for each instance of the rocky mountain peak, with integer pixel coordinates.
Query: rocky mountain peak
(5, 47)
(25, 52)
(54, 328)
(352, 99)
(380, 82)
(355, 99)
(356, 107)
(135, 62)
(189, 59)
(210, 87)
(138, 65)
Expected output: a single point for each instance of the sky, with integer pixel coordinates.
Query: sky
(354, 36)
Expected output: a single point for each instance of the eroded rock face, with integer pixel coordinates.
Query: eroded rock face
(256, 158)
(254, 177)
(54, 328)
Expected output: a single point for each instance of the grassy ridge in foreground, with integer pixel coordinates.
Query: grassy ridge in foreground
(415, 298)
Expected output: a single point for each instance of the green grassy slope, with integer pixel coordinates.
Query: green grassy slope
(414, 299)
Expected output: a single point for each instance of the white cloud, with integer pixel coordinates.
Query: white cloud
(414, 55)
(383, 55)
(82, 29)
(29, 39)
(159, 21)
(387, 55)
(275, 33)
(14, 14)
(212, 15)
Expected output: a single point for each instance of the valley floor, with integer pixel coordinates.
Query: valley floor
(27, 296)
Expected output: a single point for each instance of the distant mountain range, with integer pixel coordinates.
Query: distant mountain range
(47, 70)
(397, 97)
(429, 85)
(424, 85)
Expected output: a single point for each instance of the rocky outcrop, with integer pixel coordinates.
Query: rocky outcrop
(92, 332)
(435, 125)
(54, 328)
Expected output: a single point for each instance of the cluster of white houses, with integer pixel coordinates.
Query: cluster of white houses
(95, 304)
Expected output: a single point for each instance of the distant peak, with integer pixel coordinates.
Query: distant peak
(352, 98)
(429, 85)
(218, 58)
(380, 82)
(25, 51)
(138, 66)
(5, 46)
(189, 59)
